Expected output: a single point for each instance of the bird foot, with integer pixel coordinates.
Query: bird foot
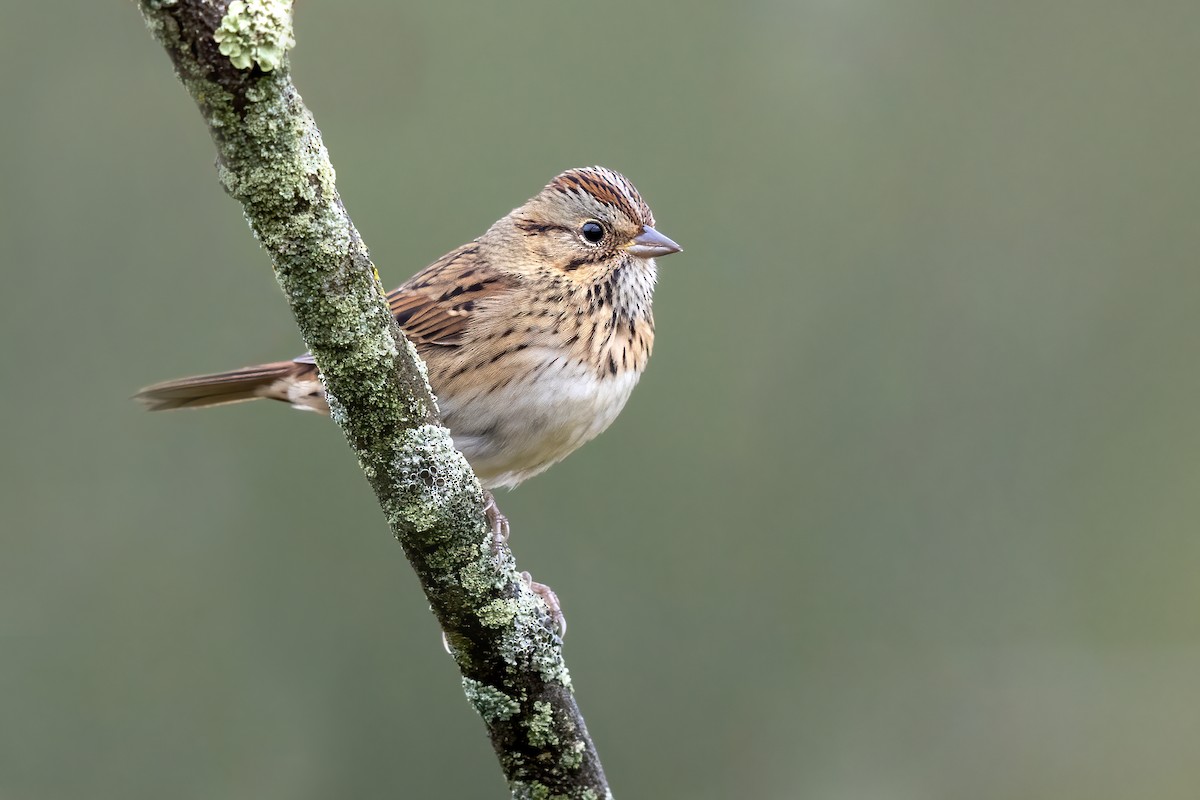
(499, 522)
(550, 599)
(500, 534)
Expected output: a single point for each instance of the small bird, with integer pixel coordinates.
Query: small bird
(534, 334)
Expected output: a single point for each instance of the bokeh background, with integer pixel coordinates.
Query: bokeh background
(907, 505)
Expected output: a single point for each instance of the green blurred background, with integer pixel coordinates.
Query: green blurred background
(906, 506)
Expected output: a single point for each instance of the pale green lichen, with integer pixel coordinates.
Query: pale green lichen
(479, 576)
(572, 756)
(540, 725)
(430, 471)
(256, 32)
(422, 368)
(538, 791)
(535, 790)
(498, 613)
(491, 703)
(550, 665)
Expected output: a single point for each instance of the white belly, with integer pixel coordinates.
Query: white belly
(513, 433)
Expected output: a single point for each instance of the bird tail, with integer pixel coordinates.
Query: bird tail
(290, 381)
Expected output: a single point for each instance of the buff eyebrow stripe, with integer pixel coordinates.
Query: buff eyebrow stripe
(531, 228)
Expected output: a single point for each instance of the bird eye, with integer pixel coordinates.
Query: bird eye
(592, 231)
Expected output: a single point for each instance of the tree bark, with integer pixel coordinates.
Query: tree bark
(271, 159)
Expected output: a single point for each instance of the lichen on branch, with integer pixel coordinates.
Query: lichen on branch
(256, 33)
(270, 157)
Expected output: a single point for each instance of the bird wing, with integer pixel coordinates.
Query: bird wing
(435, 306)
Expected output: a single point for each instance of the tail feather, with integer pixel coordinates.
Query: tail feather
(289, 381)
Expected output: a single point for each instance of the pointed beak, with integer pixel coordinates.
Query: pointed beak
(651, 244)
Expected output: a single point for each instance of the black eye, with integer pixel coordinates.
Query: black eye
(592, 231)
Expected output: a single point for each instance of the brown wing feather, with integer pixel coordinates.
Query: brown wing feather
(435, 306)
(247, 383)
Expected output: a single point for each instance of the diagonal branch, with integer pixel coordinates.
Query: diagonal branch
(271, 159)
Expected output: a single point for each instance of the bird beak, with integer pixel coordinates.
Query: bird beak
(651, 244)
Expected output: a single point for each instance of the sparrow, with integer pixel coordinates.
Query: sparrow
(534, 334)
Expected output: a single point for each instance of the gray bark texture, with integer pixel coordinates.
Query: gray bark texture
(231, 57)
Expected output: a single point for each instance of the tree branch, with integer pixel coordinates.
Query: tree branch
(271, 159)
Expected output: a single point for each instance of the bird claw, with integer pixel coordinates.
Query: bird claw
(500, 533)
(497, 521)
(550, 599)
